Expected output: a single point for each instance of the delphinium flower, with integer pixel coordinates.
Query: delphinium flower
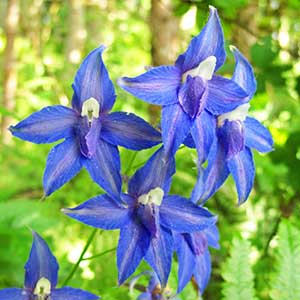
(194, 257)
(41, 272)
(190, 92)
(236, 134)
(91, 133)
(147, 220)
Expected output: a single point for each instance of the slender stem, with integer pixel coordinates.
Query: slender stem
(80, 259)
(131, 162)
(100, 254)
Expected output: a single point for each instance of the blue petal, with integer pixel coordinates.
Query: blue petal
(41, 263)
(145, 296)
(159, 254)
(157, 172)
(133, 245)
(104, 168)
(212, 236)
(14, 294)
(243, 74)
(202, 270)
(189, 142)
(63, 163)
(157, 86)
(197, 241)
(186, 262)
(92, 81)
(179, 214)
(129, 131)
(257, 136)
(68, 293)
(224, 95)
(203, 133)
(100, 212)
(242, 169)
(209, 42)
(176, 125)
(47, 125)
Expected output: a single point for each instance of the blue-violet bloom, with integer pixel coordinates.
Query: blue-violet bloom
(91, 133)
(41, 271)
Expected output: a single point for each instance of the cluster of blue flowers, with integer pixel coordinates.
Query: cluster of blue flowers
(201, 110)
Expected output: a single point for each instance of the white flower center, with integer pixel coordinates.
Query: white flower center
(42, 289)
(238, 114)
(154, 196)
(205, 69)
(90, 108)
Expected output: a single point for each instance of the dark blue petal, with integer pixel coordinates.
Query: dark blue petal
(257, 136)
(224, 95)
(157, 172)
(41, 263)
(203, 133)
(209, 42)
(148, 215)
(157, 86)
(179, 214)
(159, 254)
(212, 236)
(68, 293)
(202, 270)
(176, 125)
(104, 168)
(100, 212)
(189, 142)
(243, 74)
(14, 294)
(63, 163)
(231, 138)
(129, 131)
(92, 81)
(242, 169)
(47, 125)
(186, 262)
(197, 241)
(133, 245)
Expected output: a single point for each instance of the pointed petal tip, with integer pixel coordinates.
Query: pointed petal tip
(212, 9)
(233, 48)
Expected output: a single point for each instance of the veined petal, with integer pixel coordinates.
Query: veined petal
(224, 95)
(202, 270)
(157, 172)
(47, 125)
(212, 236)
(243, 74)
(100, 212)
(133, 244)
(179, 214)
(41, 263)
(176, 125)
(159, 254)
(210, 42)
(104, 168)
(68, 293)
(14, 294)
(242, 168)
(92, 81)
(157, 86)
(257, 136)
(129, 131)
(189, 141)
(63, 163)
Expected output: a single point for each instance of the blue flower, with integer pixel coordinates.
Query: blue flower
(90, 132)
(41, 278)
(189, 92)
(148, 218)
(231, 150)
(194, 258)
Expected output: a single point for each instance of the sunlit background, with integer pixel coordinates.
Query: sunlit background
(42, 43)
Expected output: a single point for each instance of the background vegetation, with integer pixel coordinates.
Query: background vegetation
(41, 45)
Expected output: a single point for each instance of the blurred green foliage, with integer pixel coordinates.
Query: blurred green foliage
(45, 71)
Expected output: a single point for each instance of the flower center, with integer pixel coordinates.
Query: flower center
(238, 114)
(90, 109)
(154, 196)
(42, 289)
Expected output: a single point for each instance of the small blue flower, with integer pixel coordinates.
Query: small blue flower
(91, 134)
(189, 92)
(41, 278)
(231, 150)
(147, 220)
(194, 258)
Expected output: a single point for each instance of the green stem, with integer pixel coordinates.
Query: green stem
(100, 254)
(80, 259)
